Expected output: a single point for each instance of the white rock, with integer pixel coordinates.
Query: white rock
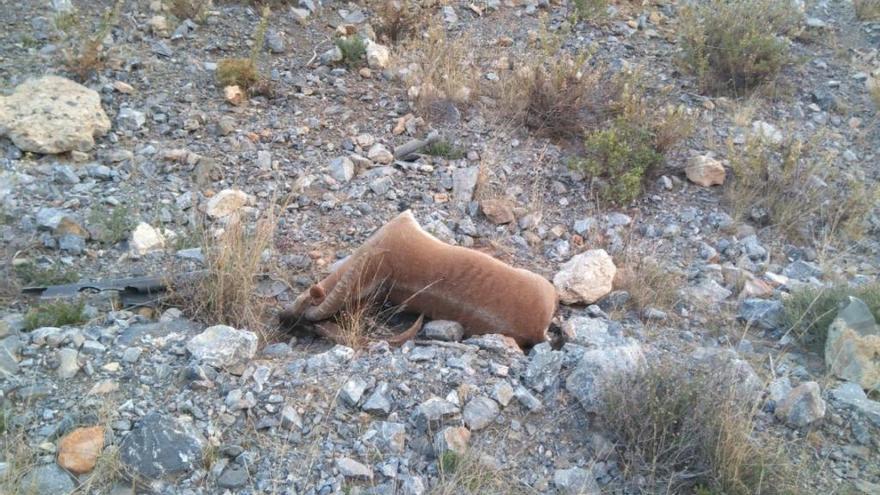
(378, 56)
(585, 278)
(705, 171)
(351, 468)
(146, 239)
(342, 169)
(226, 202)
(380, 154)
(68, 363)
(222, 346)
(52, 115)
(767, 131)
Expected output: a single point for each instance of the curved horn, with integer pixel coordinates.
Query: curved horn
(334, 301)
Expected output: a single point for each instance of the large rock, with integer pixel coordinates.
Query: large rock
(766, 314)
(598, 368)
(592, 332)
(47, 479)
(480, 412)
(543, 369)
(802, 406)
(498, 211)
(576, 481)
(853, 345)
(378, 56)
(158, 447)
(146, 239)
(222, 346)
(464, 181)
(851, 395)
(452, 438)
(226, 202)
(52, 115)
(79, 450)
(586, 278)
(705, 171)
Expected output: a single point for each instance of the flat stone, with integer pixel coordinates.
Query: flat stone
(234, 476)
(464, 181)
(79, 450)
(351, 468)
(159, 447)
(576, 481)
(47, 479)
(527, 399)
(597, 369)
(592, 332)
(705, 171)
(585, 278)
(765, 314)
(853, 397)
(378, 402)
(498, 211)
(434, 410)
(52, 115)
(390, 437)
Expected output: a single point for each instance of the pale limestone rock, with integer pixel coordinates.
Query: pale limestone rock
(226, 202)
(705, 171)
(52, 115)
(585, 278)
(145, 239)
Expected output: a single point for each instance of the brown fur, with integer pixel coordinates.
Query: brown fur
(424, 275)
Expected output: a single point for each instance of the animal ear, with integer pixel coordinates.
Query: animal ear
(317, 294)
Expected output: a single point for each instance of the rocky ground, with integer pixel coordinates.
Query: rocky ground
(184, 405)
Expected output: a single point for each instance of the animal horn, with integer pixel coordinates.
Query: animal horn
(334, 301)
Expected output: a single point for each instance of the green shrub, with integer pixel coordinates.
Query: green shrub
(588, 9)
(31, 275)
(241, 72)
(115, 227)
(444, 149)
(55, 314)
(736, 45)
(353, 50)
(622, 156)
(810, 311)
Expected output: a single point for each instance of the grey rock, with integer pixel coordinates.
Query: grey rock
(598, 368)
(479, 412)
(802, 270)
(708, 292)
(851, 396)
(71, 243)
(222, 346)
(434, 410)
(132, 354)
(593, 333)
(234, 476)
(68, 363)
(158, 447)
(378, 402)
(351, 468)
(542, 371)
(390, 437)
(47, 479)
(422, 353)
(342, 169)
(339, 354)
(802, 406)
(275, 42)
(130, 119)
(853, 344)
(766, 314)
(527, 399)
(464, 181)
(353, 390)
(290, 419)
(449, 331)
(576, 481)
(502, 392)
(9, 352)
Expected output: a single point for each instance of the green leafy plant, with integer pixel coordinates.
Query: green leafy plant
(115, 227)
(30, 274)
(353, 50)
(588, 9)
(55, 314)
(621, 156)
(444, 149)
(867, 10)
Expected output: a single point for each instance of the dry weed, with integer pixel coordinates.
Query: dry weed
(684, 425)
(85, 55)
(399, 20)
(867, 10)
(649, 284)
(470, 474)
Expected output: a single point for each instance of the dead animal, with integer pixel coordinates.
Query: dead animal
(426, 276)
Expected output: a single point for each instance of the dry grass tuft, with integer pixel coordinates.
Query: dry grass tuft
(244, 72)
(234, 260)
(796, 188)
(444, 72)
(867, 10)
(399, 20)
(735, 46)
(85, 55)
(469, 474)
(649, 284)
(683, 426)
(809, 311)
(193, 10)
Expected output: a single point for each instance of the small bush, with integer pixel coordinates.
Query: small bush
(115, 227)
(736, 45)
(867, 10)
(85, 55)
(31, 275)
(353, 49)
(649, 284)
(622, 157)
(241, 72)
(681, 424)
(398, 20)
(588, 9)
(444, 149)
(797, 189)
(809, 311)
(193, 10)
(874, 91)
(55, 314)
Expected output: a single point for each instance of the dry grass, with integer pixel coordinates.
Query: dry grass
(399, 20)
(85, 55)
(234, 259)
(735, 46)
(874, 91)
(193, 10)
(648, 283)
(867, 10)
(809, 311)
(469, 474)
(684, 426)
(244, 72)
(444, 74)
(797, 189)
